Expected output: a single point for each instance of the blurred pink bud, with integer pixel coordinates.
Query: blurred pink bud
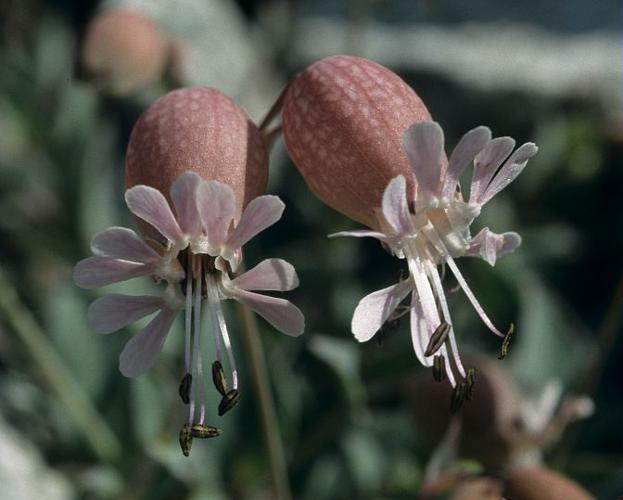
(202, 130)
(344, 120)
(124, 51)
(541, 483)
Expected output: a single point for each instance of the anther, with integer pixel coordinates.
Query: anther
(506, 342)
(231, 399)
(186, 439)
(218, 377)
(437, 339)
(203, 431)
(469, 384)
(185, 386)
(458, 396)
(438, 367)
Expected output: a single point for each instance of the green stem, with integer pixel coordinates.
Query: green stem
(78, 405)
(261, 385)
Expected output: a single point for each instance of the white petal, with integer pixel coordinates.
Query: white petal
(423, 143)
(395, 206)
(112, 312)
(123, 243)
(100, 271)
(270, 274)
(486, 164)
(140, 353)
(463, 154)
(217, 206)
(509, 172)
(280, 313)
(360, 233)
(150, 205)
(261, 213)
(419, 332)
(490, 246)
(184, 196)
(374, 309)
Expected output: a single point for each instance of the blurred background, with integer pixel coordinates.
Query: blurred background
(357, 421)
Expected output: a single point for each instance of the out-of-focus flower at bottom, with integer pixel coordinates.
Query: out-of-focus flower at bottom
(503, 428)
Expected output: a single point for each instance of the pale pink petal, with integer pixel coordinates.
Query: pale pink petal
(217, 206)
(123, 243)
(100, 271)
(395, 206)
(184, 196)
(374, 309)
(113, 312)
(463, 154)
(270, 274)
(150, 205)
(509, 171)
(486, 164)
(360, 233)
(280, 313)
(140, 353)
(261, 213)
(423, 143)
(490, 246)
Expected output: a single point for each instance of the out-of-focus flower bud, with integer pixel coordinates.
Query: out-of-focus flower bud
(198, 129)
(541, 483)
(124, 51)
(487, 421)
(344, 119)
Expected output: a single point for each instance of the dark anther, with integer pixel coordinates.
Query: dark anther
(458, 396)
(469, 384)
(186, 439)
(185, 386)
(438, 368)
(218, 377)
(437, 339)
(202, 431)
(231, 399)
(506, 342)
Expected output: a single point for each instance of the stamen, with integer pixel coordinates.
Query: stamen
(197, 348)
(438, 368)
(215, 306)
(437, 339)
(218, 377)
(229, 401)
(188, 311)
(186, 439)
(185, 386)
(433, 275)
(469, 384)
(202, 431)
(457, 398)
(506, 342)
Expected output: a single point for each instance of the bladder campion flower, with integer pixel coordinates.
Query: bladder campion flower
(194, 249)
(394, 177)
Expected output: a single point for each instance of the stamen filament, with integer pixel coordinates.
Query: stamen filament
(197, 348)
(187, 324)
(441, 248)
(215, 306)
(434, 277)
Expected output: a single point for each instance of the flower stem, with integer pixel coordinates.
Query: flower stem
(261, 385)
(79, 407)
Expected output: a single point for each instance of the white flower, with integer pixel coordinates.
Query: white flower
(433, 229)
(199, 249)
